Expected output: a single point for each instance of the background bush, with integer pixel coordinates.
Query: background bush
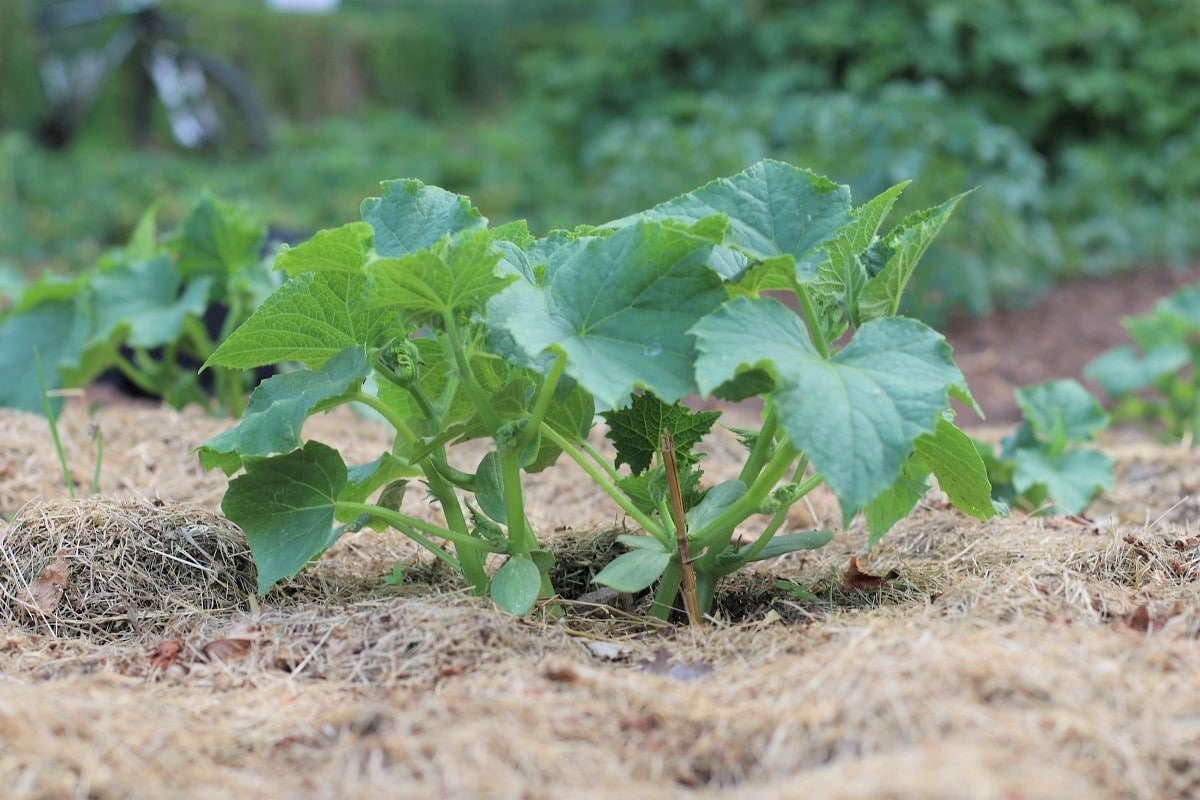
(1074, 118)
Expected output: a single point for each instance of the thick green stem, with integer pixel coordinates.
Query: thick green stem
(402, 520)
(479, 398)
(542, 404)
(777, 520)
(708, 538)
(668, 589)
(811, 320)
(608, 468)
(468, 547)
(470, 558)
(764, 447)
(388, 414)
(519, 535)
(602, 479)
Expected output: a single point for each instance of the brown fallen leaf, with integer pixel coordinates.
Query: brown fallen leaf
(234, 646)
(856, 580)
(1140, 620)
(165, 654)
(41, 597)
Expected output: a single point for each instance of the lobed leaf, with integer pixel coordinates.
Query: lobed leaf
(1071, 478)
(309, 319)
(904, 247)
(778, 214)
(145, 303)
(620, 307)
(285, 506)
(217, 239)
(344, 249)
(457, 275)
(856, 414)
(410, 216)
(278, 408)
(1061, 411)
(636, 430)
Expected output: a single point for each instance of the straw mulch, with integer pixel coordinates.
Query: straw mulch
(1020, 658)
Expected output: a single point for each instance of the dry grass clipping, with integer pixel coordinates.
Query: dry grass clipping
(1030, 658)
(100, 568)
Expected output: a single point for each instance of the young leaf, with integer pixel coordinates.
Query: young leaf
(855, 415)
(715, 501)
(516, 585)
(344, 249)
(285, 506)
(634, 571)
(217, 239)
(455, 275)
(489, 488)
(780, 545)
(278, 408)
(906, 243)
(1071, 478)
(637, 429)
(1061, 409)
(1121, 371)
(411, 216)
(309, 319)
(954, 459)
(620, 308)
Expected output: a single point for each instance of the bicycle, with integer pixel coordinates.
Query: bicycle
(208, 104)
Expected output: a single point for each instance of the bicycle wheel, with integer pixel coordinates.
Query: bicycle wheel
(204, 104)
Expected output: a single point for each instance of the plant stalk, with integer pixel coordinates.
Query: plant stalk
(601, 478)
(811, 320)
(691, 601)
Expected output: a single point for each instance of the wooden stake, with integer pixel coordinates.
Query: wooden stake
(691, 599)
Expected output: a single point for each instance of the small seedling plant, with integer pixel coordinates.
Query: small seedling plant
(1047, 464)
(144, 309)
(1155, 382)
(455, 331)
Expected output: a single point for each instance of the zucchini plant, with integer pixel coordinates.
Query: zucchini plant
(454, 330)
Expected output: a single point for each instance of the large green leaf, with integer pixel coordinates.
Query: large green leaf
(55, 331)
(144, 303)
(453, 276)
(893, 504)
(411, 216)
(637, 429)
(285, 505)
(620, 307)
(278, 408)
(777, 213)
(344, 249)
(905, 245)
(309, 319)
(856, 414)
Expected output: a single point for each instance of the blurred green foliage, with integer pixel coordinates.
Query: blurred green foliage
(1072, 118)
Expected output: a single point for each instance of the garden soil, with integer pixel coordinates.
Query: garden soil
(1024, 657)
